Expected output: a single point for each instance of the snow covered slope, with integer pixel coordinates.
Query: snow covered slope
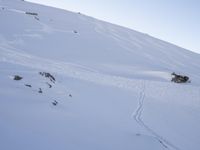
(112, 85)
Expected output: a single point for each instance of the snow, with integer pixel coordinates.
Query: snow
(112, 85)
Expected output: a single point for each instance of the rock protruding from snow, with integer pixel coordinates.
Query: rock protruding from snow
(55, 103)
(17, 77)
(32, 13)
(40, 90)
(48, 75)
(28, 85)
(179, 78)
(50, 86)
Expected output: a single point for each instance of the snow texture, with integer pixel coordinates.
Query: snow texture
(112, 88)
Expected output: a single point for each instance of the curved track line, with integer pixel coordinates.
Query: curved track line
(137, 117)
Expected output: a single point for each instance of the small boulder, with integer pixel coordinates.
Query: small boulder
(40, 90)
(75, 31)
(55, 103)
(28, 85)
(179, 78)
(16, 77)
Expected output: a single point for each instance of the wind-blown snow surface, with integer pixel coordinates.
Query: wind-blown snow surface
(112, 85)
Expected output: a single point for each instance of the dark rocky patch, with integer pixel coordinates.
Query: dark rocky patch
(75, 31)
(48, 75)
(40, 90)
(32, 13)
(28, 85)
(50, 86)
(179, 78)
(17, 77)
(162, 144)
(55, 103)
(70, 95)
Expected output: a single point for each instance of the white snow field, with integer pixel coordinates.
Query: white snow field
(112, 85)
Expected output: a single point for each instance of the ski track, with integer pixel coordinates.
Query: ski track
(137, 117)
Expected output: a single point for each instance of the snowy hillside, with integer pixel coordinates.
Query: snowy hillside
(91, 85)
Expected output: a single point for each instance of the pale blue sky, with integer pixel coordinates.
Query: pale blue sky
(175, 21)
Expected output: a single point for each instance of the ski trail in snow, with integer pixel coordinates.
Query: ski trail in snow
(137, 116)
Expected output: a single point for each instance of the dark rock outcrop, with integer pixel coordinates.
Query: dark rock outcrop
(179, 78)
(32, 13)
(17, 77)
(28, 85)
(55, 103)
(40, 90)
(48, 75)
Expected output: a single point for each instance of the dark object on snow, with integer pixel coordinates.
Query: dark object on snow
(16, 77)
(28, 85)
(138, 134)
(75, 31)
(179, 78)
(36, 18)
(32, 13)
(48, 75)
(54, 103)
(40, 90)
(50, 86)
(70, 95)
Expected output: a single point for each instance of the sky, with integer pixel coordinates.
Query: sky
(175, 21)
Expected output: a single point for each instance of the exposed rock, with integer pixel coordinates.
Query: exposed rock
(28, 85)
(32, 13)
(40, 90)
(70, 95)
(179, 78)
(16, 77)
(48, 75)
(75, 31)
(55, 103)
(50, 86)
